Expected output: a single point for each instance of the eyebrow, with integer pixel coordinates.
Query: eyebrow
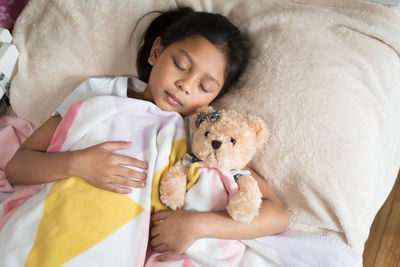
(186, 54)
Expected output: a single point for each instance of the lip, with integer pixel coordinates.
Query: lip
(173, 100)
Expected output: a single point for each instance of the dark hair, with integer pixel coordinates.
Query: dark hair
(178, 24)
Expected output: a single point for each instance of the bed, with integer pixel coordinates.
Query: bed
(324, 75)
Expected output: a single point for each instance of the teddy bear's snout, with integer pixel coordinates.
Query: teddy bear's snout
(215, 144)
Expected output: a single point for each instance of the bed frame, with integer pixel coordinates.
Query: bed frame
(383, 245)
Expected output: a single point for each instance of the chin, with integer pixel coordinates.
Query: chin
(164, 106)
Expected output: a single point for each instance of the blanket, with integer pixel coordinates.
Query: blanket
(73, 223)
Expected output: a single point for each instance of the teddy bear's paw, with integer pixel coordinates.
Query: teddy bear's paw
(173, 187)
(173, 202)
(242, 210)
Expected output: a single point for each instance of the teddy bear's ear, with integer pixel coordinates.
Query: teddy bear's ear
(205, 110)
(260, 128)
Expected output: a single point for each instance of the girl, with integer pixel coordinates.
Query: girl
(188, 59)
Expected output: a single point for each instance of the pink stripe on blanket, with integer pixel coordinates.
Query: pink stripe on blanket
(15, 200)
(232, 251)
(62, 130)
(187, 263)
(144, 238)
(222, 187)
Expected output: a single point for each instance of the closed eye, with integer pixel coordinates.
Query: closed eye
(202, 88)
(179, 67)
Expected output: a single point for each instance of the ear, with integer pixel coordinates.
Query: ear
(203, 109)
(259, 127)
(155, 51)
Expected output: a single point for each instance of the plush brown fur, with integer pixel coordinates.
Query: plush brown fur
(227, 143)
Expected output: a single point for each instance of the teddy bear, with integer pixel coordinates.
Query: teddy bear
(227, 140)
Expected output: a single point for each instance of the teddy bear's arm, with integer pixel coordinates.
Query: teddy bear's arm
(244, 206)
(173, 186)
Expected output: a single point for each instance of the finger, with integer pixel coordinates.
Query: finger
(161, 215)
(156, 241)
(166, 255)
(117, 189)
(127, 172)
(160, 248)
(131, 162)
(154, 231)
(112, 146)
(127, 182)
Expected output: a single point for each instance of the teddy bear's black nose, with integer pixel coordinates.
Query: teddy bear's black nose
(215, 144)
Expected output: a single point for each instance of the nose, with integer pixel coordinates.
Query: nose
(183, 85)
(215, 144)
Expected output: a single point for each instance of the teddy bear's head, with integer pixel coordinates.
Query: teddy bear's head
(226, 139)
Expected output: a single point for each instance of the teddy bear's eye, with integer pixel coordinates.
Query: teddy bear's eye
(233, 141)
(206, 134)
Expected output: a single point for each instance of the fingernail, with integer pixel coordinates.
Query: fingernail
(143, 184)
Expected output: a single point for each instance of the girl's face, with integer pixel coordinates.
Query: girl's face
(186, 75)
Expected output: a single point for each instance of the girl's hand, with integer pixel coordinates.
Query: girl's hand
(173, 236)
(99, 166)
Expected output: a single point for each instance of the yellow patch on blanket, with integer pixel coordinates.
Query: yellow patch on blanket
(76, 216)
(178, 150)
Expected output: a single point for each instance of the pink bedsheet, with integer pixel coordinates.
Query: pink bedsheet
(13, 132)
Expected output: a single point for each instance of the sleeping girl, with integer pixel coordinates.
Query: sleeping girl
(187, 60)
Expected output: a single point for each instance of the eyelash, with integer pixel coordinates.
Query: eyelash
(179, 67)
(184, 70)
(202, 88)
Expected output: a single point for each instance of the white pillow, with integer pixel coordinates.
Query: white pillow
(323, 74)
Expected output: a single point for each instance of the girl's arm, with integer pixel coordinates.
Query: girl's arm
(31, 164)
(179, 229)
